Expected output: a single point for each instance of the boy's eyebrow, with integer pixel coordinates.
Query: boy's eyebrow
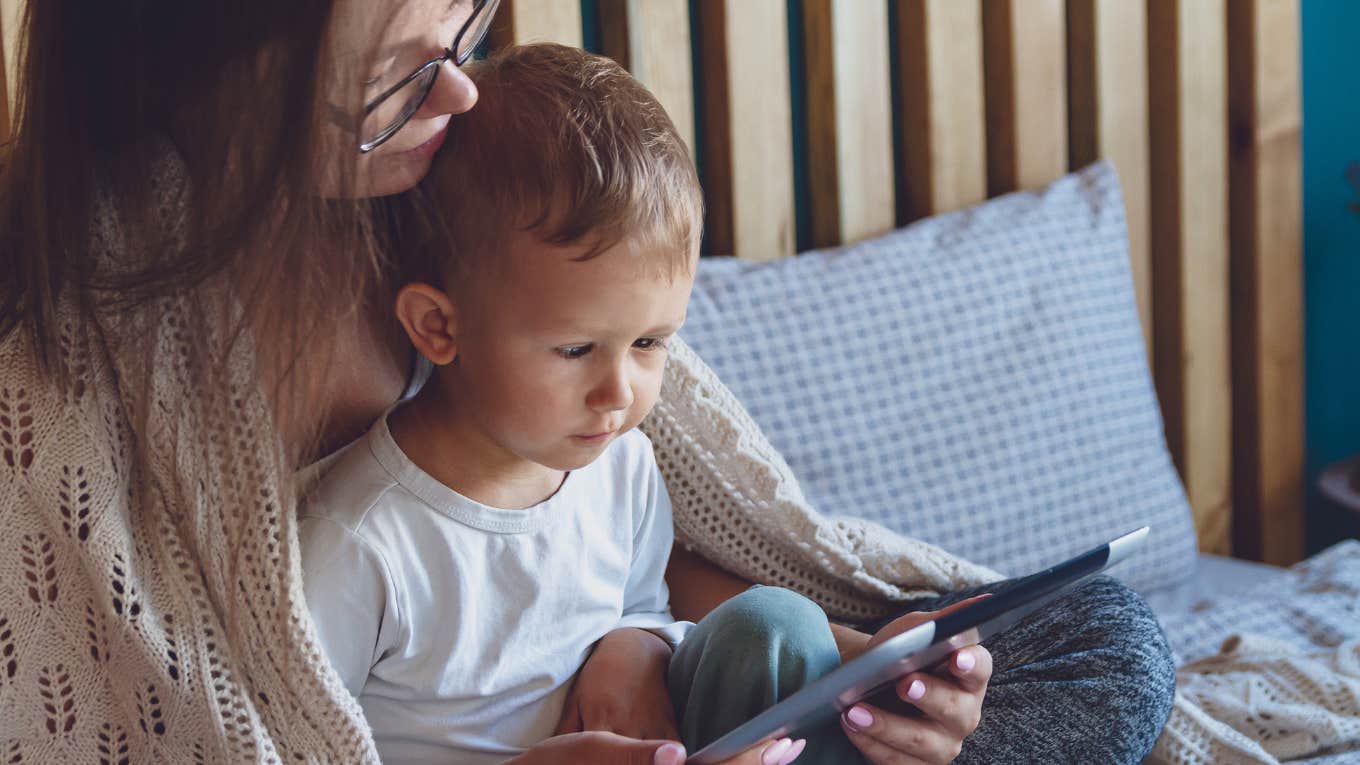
(669, 328)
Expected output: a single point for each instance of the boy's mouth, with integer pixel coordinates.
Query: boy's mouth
(594, 438)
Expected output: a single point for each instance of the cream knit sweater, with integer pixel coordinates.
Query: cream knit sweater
(152, 610)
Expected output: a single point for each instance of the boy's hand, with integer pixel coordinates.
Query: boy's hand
(597, 748)
(622, 689)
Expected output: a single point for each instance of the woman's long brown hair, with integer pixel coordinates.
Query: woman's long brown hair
(236, 87)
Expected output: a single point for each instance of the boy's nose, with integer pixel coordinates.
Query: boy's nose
(613, 393)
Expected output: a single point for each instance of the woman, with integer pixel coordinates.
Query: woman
(166, 369)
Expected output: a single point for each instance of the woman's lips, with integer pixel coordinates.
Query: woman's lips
(431, 145)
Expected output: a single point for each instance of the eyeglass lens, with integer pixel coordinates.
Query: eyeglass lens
(390, 114)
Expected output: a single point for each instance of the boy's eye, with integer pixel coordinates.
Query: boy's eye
(574, 351)
(650, 343)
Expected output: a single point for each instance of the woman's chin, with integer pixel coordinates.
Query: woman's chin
(394, 174)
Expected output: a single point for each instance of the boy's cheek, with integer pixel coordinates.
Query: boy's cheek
(645, 401)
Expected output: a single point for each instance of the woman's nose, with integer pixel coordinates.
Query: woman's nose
(453, 93)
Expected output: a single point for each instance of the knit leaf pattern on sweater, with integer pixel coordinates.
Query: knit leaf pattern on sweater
(152, 610)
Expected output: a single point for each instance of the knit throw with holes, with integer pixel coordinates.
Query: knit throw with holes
(151, 607)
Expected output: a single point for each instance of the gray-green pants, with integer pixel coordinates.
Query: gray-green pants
(1087, 679)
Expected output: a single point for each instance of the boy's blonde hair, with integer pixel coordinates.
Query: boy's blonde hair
(567, 146)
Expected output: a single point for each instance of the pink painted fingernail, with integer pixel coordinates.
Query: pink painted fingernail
(916, 690)
(859, 717)
(965, 660)
(794, 751)
(774, 753)
(669, 754)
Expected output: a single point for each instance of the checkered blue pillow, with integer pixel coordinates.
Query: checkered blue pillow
(977, 380)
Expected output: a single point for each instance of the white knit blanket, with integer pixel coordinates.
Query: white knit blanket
(1285, 682)
(151, 609)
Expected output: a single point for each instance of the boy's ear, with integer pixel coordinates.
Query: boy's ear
(430, 320)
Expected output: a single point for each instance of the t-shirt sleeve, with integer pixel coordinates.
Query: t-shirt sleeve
(646, 598)
(349, 594)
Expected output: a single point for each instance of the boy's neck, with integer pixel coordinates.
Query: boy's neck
(433, 435)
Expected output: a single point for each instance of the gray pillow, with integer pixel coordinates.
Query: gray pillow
(976, 380)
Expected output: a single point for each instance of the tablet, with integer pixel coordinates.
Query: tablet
(921, 647)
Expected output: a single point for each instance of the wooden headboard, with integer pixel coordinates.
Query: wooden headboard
(914, 107)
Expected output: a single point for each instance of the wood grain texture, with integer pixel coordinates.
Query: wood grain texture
(1107, 97)
(10, 14)
(849, 119)
(651, 38)
(1187, 84)
(942, 120)
(1026, 92)
(748, 154)
(1267, 274)
(525, 21)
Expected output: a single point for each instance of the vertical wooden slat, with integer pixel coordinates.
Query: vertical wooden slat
(1267, 272)
(1026, 92)
(525, 21)
(1108, 116)
(849, 120)
(1187, 62)
(748, 154)
(651, 38)
(5, 106)
(10, 11)
(943, 158)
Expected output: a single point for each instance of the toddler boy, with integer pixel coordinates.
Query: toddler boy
(465, 557)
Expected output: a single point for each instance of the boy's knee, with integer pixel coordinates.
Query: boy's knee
(789, 631)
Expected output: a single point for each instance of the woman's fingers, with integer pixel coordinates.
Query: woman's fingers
(970, 667)
(888, 739)
(943, 702)
(669, 754)
(778, 752)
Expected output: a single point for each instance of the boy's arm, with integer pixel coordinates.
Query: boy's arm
(622, 686)
(347, 590)
(646, 597)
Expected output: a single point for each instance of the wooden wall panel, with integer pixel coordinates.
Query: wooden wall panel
(524, 21)
(1187, 83)
(1267, 273)
(5, 106)
(748, 143)
(651, 38)
(1107, 96)
(10, 12)
(849, 119)
(944, 155)
(1026, 93)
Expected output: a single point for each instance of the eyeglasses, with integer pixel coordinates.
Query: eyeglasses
(394, 107)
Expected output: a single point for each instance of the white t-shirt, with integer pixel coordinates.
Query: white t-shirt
(459, 626)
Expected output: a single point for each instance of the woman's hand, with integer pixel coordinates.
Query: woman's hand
(622, 689)
(950, 700)
(598, 748)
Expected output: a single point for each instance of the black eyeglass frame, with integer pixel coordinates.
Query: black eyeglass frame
(366, 146)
